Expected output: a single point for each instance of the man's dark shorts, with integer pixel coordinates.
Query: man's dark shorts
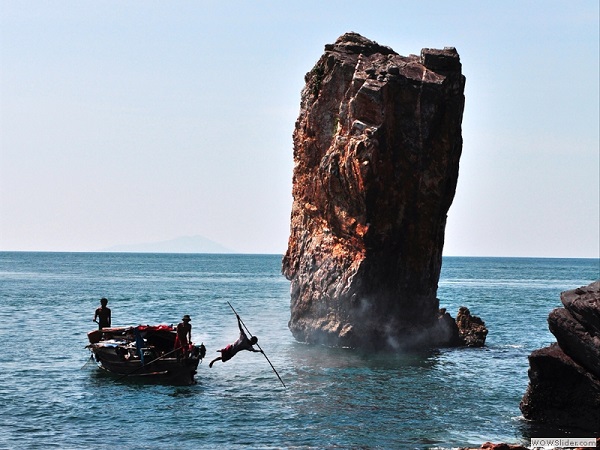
(227, 353)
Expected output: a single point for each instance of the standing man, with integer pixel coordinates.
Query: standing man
(184, 335)
(243, 343)
(102, 315)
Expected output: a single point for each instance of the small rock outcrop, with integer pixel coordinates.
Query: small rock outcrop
(376, 150)
(471, 329)
(564, 378)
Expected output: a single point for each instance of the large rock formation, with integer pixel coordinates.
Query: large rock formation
(564, 378)
(376, 150)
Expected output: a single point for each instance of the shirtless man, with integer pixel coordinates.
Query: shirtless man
(102, 315)
(184, 334)
(243, 343)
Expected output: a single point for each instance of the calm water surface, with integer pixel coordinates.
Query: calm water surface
(52, 397)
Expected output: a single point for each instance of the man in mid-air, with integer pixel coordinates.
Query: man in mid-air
(243, 343)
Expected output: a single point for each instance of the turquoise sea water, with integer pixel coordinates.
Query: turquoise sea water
(335, 398)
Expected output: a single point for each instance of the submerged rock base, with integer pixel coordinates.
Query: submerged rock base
(376, 150)
(564, 378)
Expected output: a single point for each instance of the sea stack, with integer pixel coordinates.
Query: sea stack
(377, 146)
(564, 378)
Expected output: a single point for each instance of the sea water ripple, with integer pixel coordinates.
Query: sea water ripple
(53, 397)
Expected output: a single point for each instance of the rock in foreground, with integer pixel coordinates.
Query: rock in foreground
(376, 150)
(564, 381)
(501, 446)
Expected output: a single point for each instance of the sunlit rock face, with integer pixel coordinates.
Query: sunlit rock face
(376, 149)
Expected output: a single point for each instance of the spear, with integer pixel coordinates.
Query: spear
(261, 350)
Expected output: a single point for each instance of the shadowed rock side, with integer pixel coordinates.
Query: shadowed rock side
(376, 150)
(564, 378)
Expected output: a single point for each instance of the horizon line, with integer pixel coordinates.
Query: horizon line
(233, 253)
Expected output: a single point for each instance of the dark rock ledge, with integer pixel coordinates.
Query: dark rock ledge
(564, 378)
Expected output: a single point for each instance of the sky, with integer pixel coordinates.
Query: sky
(144, 121)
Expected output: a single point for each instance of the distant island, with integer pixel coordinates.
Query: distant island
(183, 244)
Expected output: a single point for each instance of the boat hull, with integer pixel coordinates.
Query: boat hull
(150, 356)
(170, 370)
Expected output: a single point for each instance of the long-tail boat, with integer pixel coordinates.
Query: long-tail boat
(145, 352)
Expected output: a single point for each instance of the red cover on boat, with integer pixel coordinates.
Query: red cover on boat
(155, 328)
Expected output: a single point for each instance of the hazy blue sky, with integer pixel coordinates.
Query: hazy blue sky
(140, 121)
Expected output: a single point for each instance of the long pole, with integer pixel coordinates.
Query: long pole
(261, 350)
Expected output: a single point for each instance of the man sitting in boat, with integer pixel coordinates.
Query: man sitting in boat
(184, 335)
(243, 343)
(102, 315)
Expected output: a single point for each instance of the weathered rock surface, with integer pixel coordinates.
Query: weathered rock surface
(471, 329)
(577, 326)
(376, 150)
(564, 381)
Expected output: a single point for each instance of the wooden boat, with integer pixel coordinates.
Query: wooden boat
(145, 352)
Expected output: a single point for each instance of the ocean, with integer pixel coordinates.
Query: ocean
(53, 396)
